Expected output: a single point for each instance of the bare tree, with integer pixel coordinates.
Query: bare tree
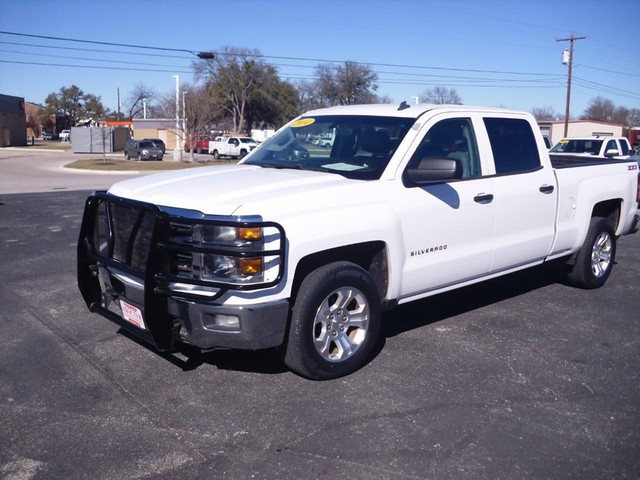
(543, 113)
(135, 103)
(201, 111)
(441, 95)
(604, 110)
(345, 84)
(104, 137)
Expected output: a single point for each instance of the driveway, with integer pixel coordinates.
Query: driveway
(27, 170)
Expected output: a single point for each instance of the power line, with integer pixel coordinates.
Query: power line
(96, 42)
(609, 71)
(97, 67)
(321, 60)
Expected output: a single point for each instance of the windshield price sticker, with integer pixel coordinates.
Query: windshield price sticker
(303, 122)
(132, 315)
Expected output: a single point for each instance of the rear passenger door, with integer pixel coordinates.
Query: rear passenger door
(524, 193)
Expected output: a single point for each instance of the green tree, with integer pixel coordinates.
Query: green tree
(275, 103)
(235, 78)
(72, 103)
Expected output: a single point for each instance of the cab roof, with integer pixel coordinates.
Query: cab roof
(402, 110)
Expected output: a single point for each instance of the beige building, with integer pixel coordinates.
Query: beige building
(578, 128)
(162, 128)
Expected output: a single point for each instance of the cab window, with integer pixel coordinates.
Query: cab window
(452, 138)
(513, 145)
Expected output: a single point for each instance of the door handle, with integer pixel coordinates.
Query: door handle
(483, 198)
(547, 188)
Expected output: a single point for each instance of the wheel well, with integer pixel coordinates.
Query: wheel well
(609, 209)
(371, 256)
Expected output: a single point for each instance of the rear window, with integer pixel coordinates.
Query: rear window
(513, 145)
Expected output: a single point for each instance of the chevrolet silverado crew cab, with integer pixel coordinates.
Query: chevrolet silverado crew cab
(302, 246)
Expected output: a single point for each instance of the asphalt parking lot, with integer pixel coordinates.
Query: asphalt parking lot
(521, 377)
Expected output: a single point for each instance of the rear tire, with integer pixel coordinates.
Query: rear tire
(216, 155)
(335, 322)
(594, 261)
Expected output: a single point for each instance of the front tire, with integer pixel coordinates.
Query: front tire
(594, 261)
(335, 322)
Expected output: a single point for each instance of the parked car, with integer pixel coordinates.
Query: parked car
(142, 150)
(46, 135)
(596, 145)
(159, 143)
(201, 145)
(65, 136)
(234, 147)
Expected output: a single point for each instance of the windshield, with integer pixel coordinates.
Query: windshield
(354, 146)
(577, 146)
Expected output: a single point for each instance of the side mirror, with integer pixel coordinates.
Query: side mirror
(433, 170)
(612, 152)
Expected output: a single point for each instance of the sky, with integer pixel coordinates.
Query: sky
(501, 53)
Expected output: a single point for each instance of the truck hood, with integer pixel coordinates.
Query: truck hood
(223, 190)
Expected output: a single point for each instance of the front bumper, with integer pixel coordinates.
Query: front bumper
(127, 273)
(201, 324)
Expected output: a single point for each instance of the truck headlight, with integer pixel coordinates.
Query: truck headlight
(240, 254)
(236, 268)
(232, 235)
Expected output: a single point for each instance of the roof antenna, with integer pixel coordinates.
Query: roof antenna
(403, 106)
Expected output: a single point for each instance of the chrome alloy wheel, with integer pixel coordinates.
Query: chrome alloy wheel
(601, 254)
(341, 324)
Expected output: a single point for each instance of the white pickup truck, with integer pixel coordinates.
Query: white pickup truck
(234, 147)
(303, 247)
(596, 146)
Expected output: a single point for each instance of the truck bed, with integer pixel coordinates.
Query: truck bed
(568, 161)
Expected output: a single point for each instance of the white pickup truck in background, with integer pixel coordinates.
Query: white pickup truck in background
(303, 247)
(234, 147)
(596, 146)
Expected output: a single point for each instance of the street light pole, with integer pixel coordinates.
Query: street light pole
(177, 151)
(144, 107)
(184, 113)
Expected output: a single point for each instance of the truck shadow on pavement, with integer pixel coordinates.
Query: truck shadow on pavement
(450, 304)
(189, 358)
(402, 319)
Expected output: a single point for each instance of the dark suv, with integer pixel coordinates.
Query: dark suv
(159, 143)
(142, 150)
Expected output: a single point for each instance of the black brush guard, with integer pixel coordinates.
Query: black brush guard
(161, 326)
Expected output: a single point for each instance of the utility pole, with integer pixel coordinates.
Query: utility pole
(571, 39)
